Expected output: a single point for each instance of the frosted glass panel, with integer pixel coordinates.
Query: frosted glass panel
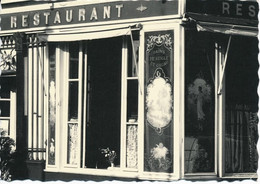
(131, 146)
(72, 143)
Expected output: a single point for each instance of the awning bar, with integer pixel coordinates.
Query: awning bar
(224, 67)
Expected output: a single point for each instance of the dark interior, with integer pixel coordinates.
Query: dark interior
(104, 94)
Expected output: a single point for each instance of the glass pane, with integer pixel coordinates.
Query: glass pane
(5, 108)
(158, 143)
(7, 84)
(73, 101)
(52, 104)
(131, 67)
(72, 143)
(131, 146)
(199, 105)
(74, 60)
(241, 133)
(4, 127)
(132, 100)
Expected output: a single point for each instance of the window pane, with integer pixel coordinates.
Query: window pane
(74, 60)
(7, 84)
(72, 143)
(132, 100)
(5, 108)
(52, 104)
(241, 132)
(4, 127)
(199, 104)
(73, 101)
(131, 146)
(131, 67)
(158, 143)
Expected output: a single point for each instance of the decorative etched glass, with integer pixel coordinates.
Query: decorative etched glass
(72, 143)
(131, 146)
(158, 143)
(52, 105)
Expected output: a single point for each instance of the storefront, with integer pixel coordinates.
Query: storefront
(134, 89)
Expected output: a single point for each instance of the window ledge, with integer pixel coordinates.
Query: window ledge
(117, 172)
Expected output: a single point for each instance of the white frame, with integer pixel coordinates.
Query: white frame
(65, 97)
(178, 99)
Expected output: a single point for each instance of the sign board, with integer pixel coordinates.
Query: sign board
(225, 8)
(90, 13)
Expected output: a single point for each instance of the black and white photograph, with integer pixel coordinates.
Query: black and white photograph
(129, 90)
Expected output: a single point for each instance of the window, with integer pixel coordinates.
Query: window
(200, 139)
(241, 107)
(8, 92)
(220, 115)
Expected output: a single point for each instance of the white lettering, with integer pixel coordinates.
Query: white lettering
(239, 9)
(252, 12)
(57, 18)
(36, 19)
(107, 12)
(13, 22)
(68, 15)
(82, 13)
(46, 14)
(94, 14)
(24, 20)
(119, 7)
(225, 8)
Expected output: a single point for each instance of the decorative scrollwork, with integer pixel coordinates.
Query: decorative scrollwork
(159, 40)
(8, 61)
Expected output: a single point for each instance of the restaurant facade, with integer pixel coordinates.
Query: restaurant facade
(131, 90)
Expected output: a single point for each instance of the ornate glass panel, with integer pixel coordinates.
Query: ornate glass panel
(72, 143)
(52, 105)
(131, 146)
(158, 150)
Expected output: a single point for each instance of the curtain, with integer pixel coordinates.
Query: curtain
(240, 139)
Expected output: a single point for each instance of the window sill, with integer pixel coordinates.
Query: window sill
(116, 172)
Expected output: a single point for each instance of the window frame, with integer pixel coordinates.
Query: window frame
(220, 50)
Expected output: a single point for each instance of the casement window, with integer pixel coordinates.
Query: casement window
(99, 98)
(239, 108)
(221, 105)
(8, 90)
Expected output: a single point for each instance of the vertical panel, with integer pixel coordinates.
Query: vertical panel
(52, 105)
(30, 70)
(158, 141)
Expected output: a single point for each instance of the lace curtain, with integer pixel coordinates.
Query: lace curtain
(240, 139)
